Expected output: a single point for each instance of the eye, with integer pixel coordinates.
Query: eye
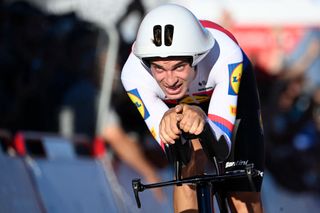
(156, 68)
(180, 67)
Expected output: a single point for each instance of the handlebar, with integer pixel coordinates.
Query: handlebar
(249, 172)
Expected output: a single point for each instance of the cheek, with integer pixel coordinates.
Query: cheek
(189, 76)
(157, 76)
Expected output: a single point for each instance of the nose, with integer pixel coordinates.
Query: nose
(171, 79)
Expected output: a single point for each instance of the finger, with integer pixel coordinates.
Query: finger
(179, 117)
(185, 121)
(194, 126)
(174, 131)
(171, 134)
(172, 128)
(162, 132)
(165, 138)
(186, 126)
(198, 129)
(182, 124)
(179, 108)
(166, 133)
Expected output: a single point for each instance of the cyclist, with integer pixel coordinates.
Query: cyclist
(184, 74)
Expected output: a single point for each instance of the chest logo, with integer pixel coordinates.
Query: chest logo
(195, 99)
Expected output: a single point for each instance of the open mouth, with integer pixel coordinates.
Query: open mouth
(173, 90)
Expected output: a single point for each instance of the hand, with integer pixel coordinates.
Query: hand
(192, 120)
(188, 118)
(169, 130)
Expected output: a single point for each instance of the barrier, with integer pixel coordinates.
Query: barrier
(42, 172)
(17, 193)
(67, 172)
(50, 146)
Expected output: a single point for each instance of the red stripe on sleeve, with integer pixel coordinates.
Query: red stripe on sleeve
(222, 121)
(212, 25)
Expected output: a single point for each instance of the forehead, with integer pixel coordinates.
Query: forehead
(169, 60)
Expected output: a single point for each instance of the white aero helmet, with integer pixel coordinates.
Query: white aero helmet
(172, 30)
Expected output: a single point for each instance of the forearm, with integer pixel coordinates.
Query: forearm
(128, 150)
(301, 65)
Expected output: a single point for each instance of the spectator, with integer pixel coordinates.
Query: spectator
(48, 62)
(293, 136)
(305, 60)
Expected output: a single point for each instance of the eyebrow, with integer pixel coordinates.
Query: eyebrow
(174, 66)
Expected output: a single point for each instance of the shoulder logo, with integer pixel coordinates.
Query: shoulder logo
(235, 73)
(136, 99)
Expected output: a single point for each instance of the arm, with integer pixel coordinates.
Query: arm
(145, 94)
(301, 64)
(226, 77)
(130, 152)
(142, 92)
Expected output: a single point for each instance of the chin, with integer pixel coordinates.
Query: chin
(175, 96)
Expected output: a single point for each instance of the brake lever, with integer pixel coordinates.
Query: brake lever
(137, 187)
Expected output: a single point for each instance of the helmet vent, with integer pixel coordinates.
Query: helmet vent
(168, 34)
(157, 35)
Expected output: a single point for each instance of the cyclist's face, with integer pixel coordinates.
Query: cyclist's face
(173, 76)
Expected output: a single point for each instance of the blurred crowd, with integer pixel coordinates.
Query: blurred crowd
(45, 60)
(51, 70)
(291, 115)
(48, 62)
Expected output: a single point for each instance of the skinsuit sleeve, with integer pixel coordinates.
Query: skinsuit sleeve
(144, 92)
(225, 77)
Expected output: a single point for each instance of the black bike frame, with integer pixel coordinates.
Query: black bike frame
(204, 194)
